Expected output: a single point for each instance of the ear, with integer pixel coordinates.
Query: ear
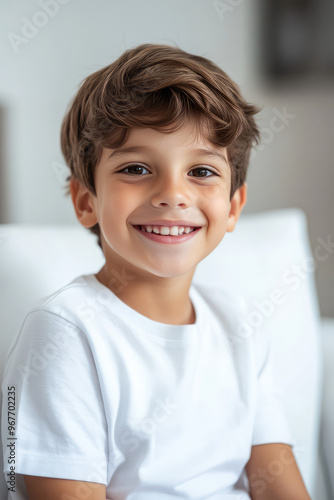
(238, 201)
(84, 203)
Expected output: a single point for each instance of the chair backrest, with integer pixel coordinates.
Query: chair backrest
(269, 260)
(36, 260)
(256, 260)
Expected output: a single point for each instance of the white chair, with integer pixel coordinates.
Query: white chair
(256, 260)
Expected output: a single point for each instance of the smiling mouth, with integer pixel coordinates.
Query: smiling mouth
(166, 230)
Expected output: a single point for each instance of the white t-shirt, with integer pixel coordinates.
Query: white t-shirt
(151, 410)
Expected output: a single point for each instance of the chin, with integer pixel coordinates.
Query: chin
(177, 271)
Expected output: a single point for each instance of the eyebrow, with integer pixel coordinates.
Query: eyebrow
(123, 151)
(211, 154)
(142, 149)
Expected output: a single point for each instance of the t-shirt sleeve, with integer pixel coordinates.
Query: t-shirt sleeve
(270, 423)
(60, 424)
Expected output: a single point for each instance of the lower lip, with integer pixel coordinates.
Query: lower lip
(168, 239)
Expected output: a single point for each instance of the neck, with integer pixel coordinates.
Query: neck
(165, 300)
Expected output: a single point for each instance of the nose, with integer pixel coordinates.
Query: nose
(172, 191)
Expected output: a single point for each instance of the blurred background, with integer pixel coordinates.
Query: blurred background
(280, 52)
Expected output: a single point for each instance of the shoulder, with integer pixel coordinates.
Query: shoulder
(219, 296)
(78, 303)
(70, 291)
(235, 313)
(228, 306)
(60, 318)
(54, 336)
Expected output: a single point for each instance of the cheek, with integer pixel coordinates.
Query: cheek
(214, 199)
(216, 205)
(118, 203)
(204, 197)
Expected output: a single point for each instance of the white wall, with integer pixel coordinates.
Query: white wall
(295, 168)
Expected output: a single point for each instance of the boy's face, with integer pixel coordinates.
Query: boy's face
(159, 179)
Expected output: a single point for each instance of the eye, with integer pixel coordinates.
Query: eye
(202, 172)
(134, 169)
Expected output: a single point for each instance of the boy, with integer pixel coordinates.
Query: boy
(146, 394)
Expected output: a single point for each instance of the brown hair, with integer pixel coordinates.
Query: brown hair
(156, 86)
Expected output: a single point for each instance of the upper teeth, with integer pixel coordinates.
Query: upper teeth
(164, 230)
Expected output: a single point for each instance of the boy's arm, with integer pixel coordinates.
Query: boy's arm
(42, 488)
(274, 475)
